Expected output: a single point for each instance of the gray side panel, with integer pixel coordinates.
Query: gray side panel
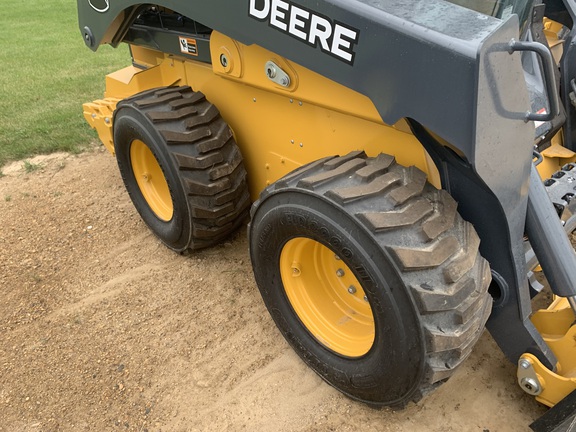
(504, 142)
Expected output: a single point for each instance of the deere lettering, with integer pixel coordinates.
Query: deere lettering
(333, 38)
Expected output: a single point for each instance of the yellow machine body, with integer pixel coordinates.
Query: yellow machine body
(277, 129)
(556, 326)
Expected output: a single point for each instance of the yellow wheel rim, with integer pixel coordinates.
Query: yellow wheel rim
(151, 180)
(327, 297)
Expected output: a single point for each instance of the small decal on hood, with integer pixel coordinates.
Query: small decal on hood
(188, 46)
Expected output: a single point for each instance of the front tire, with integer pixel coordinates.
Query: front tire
(371, 275)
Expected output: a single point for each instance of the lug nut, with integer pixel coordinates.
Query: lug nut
(340, 273)
(352, 289)
(295, 269)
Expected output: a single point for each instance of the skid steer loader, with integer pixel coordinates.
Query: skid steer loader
(411, 165)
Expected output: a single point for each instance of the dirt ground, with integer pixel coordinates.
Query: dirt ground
(104, 329)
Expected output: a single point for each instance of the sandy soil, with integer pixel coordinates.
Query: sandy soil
(104, 329)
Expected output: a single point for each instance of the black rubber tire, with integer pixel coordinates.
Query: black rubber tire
(200, 161)
(416, 260)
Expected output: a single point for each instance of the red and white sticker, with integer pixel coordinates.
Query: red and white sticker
(537, 124)
(188, 46)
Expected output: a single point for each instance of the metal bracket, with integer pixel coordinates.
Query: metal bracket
(276, 74)
(527, 377)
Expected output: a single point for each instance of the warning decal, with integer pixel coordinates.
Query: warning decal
(188, 46)
(537, 124)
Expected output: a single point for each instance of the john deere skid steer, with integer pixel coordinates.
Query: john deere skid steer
(407, 168)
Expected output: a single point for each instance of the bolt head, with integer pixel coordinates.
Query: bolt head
(352, 289)
(340, 273)
(524, 364)
(223, 60)
(271, 72)
(531, 386)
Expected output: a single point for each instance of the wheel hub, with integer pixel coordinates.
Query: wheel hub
(327, 297)
(151, 180)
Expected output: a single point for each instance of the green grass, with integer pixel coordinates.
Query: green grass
(30, 167)
(46, 74)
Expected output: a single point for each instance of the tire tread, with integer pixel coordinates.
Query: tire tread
(435, 250)
(209, 163)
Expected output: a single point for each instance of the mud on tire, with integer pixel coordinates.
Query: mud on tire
(183, 135)
(415, 260)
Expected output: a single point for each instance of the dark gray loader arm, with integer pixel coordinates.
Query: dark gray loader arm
(442, 66)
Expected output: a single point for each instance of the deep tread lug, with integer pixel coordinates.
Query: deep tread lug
(227, 168)
(346, 168)
(341, 160)
(209, 189)
(407, 216)
(442, 219)
(203, 118)
(283, 182)
(185, 137)
(378, 167)
(212, 212)
(198, 162)
(411, 189)
(190, 99)
(152, 102)
(465, 260)
(232, 194)
(432, 256)
(171, 116)
(219, 140)
(376, 186)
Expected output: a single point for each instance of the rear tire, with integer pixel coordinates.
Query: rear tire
(343, 228)
(181, 166)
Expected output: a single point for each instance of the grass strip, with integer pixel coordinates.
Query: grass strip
(46, 74)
